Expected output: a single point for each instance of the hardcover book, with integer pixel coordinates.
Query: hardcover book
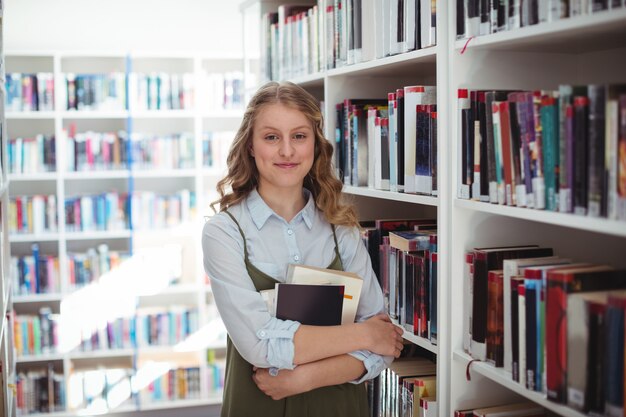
(561, 283)
(303, 274)
(484, 261)
(310, 304)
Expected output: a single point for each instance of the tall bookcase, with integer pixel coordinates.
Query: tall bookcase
(577, 50)
(7, 358)
(163, 267)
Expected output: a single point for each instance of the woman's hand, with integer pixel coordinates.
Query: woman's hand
(385, 338)
(285, 384)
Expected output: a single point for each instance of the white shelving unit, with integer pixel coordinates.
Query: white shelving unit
(582, 50)
(8, 403)
(191, 291)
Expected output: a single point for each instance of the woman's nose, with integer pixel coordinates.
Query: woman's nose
(286, 148)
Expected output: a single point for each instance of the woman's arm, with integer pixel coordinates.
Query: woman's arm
(330, 371)
(376, 334)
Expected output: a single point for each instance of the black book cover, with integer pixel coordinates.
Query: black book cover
(467, 146)
(315, 305)
(581, 131)
(400, 137)
(433, 149)
(422, 147)
(460, 18)
(485, 261)
(594, 395)
(515, 327)
(516, 144)
(595, 149)
(531, 336)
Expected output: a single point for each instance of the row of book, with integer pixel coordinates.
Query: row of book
(97, 390)
(35, 274)
(40, 391)
(93, 151)
(161, 91)
(215, 147)
(300, 39)
(98, 212)
(389, 144)
(32, 155)
(221, 91)
(478, 18)
(145, 328)
(86, 268)
(408, 265)
(99, 151)
(156, 211)
(153, 91)
(407, 388)
(29, 92)
(36, 334)
(175, 384)
(406, 270)
(33, 214)
(556, 324)
(95, 92)
(175, 151)
(554, 150)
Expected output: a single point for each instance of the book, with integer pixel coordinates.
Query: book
(465, 144)
(614, 354)
(561, 283)
(495, 319)
(411, 240)
(513, 267)
(310, 304)
(596, 186)
(484, 261)
(511, 410)
(579, 309)
(413, 96)
(303, 274)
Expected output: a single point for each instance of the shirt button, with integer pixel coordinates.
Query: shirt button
(296, 258)
(262, 333)
(289, 232)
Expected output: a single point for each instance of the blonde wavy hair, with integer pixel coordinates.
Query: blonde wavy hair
(242, 176)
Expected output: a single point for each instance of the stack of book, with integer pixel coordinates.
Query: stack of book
(556, 325)
(552, 150)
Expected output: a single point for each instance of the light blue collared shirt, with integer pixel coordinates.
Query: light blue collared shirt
(273, 243)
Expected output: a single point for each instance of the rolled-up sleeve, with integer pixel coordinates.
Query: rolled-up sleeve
(262, 340)
(356, 259)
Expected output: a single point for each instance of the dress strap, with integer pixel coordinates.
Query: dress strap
(245, 247)
(338, 256)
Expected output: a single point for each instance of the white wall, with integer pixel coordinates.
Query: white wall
(209, 27)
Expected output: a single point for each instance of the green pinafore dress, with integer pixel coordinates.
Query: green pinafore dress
(242, 398)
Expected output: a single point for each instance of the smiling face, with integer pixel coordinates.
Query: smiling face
(283, 147)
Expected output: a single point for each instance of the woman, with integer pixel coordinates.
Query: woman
(284, 207)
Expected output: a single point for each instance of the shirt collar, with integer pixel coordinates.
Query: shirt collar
(260, 211)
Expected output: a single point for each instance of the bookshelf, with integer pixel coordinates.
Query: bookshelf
(576, 50)
(7, 357)
(141, 288)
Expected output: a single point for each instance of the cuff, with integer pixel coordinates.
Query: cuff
(374, 364)
(280, 349)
